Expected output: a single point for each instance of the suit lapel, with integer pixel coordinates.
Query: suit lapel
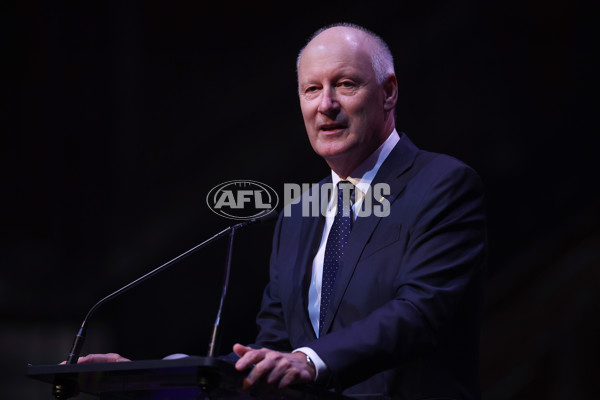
(392, 172)
(311, 228)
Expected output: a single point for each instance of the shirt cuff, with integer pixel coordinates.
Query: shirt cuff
(320, 366)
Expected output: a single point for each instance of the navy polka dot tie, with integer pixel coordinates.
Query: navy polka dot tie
(334, 249)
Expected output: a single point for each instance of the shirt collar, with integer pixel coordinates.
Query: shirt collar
(364, 174)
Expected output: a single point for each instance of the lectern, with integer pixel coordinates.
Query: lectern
(189, 378)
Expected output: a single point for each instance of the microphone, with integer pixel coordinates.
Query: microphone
(261, 217)
(264, 216)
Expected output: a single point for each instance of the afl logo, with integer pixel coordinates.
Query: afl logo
(241, 199)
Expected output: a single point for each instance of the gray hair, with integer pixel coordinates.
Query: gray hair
(381, 57)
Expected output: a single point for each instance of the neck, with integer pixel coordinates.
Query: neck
(344, 164)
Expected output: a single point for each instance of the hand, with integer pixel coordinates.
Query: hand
(277, 369)
(100, 358)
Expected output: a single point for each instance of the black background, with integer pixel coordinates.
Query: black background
(118, 117)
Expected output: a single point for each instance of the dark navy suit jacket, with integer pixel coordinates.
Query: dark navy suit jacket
(404, 321)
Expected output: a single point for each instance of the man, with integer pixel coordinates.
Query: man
(405, 314)
(396, 311)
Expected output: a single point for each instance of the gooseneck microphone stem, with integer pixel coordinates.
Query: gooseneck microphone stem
(73, 356)
(79, 339)
(213, 346)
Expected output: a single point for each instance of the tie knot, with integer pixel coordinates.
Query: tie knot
(345, 198)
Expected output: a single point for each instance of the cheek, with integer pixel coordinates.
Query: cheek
(366, 112)
(355, 108)
(307, 108)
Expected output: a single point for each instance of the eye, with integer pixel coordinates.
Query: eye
(311, 91)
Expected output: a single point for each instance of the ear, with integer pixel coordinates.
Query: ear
(390, 88)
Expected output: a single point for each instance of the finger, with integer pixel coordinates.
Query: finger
(120, 358)
(250, 358)
(260, 369)
(280, 368)
(295, 370)
(291, 377)
(102, 358)
(240, 350)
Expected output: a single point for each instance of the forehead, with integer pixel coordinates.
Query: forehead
(336, 51)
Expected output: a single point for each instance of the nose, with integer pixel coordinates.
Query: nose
(329, 105)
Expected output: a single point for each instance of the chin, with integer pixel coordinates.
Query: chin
(333, 152)
(333, 146)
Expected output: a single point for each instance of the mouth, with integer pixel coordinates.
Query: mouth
(332, 128)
